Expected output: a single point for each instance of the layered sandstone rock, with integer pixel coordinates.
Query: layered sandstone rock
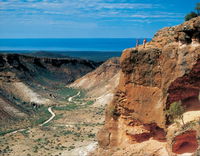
(165, 71)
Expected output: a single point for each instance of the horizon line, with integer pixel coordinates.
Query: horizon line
(84, 38)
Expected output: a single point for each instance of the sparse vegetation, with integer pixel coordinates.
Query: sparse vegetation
(69, 132)
(5, 150)
(68, 107)
(68, 129)
(71, 147)
(35, 149)
(193, 14)
(197, 8)
(190, 16)
(42, 115)
(89, 103)
(67, 92)
(113, 112)
(176, 111)
(25, 133)
(57, 117)
(91, 135)
(189, 125)
(6, 132)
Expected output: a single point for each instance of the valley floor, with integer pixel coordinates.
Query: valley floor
(70, 129)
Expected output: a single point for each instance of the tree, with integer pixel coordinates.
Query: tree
(197, 8)
(176, 111)
(193, 14)
(190, 16)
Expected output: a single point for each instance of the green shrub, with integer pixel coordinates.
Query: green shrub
(176, 111)
(67, 107)
(190, 125)
(89, 103)
(71, 147)
(193, 14)
(6, 132)
(35, 149)
(190, 16)
(25, 133)
(92, 135)
(197, 8)
(67, 92)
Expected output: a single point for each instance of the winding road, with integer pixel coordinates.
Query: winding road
(51, 118)
(70, 98)
(53, 114)
(47, 121)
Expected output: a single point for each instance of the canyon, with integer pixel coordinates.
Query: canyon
(69, 106)
(43, 113)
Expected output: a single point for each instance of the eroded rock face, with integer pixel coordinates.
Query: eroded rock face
(166, 70)
(186, 89)
(185, 143)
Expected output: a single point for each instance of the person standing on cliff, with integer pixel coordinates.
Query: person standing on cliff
(137, 43)
(144, 42)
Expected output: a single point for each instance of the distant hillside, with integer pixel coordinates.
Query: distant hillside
(29, 67)
(97, 56)
(47, 54)
(101, 82)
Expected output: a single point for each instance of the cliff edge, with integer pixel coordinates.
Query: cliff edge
(167, 70)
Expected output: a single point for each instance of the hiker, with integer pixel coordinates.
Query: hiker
(137, 43)
(144, 42)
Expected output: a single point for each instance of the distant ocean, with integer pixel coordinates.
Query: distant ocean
(87, 48)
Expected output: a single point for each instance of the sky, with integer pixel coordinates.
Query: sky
(89, 18)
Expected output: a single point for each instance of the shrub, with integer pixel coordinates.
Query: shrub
(197, 8)
(176, 111)
(193, 14)
(91, 135)
(190, 16)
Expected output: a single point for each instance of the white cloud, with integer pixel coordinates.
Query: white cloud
(84, 9)
(72, 4)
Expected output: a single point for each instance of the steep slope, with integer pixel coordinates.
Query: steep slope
(8, 111)
(101, 83)
(167, 70)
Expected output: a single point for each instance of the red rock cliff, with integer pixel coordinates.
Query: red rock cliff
(166, 70)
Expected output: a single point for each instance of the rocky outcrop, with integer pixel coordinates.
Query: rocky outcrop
(165, 71)
(186, 89)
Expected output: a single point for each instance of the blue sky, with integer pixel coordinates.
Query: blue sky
(89, 18)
